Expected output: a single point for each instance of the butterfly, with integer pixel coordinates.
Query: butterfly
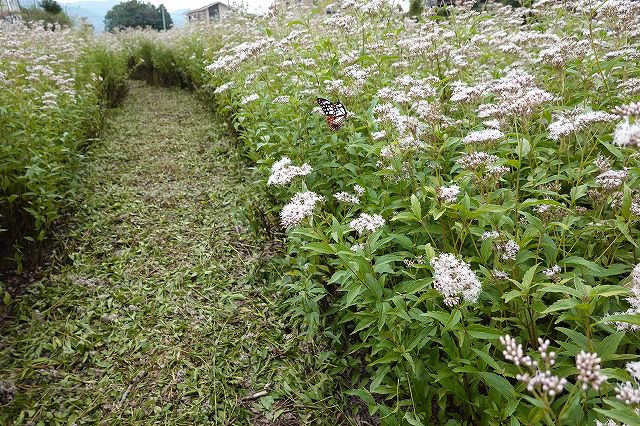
(334, 113)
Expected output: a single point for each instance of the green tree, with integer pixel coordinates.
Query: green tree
(134, 13)
(51, 6)
(415, 7)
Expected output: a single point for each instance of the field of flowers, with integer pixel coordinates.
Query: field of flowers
(467, 241)
(465, 245)
(54, 85)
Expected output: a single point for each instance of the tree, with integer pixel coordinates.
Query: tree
(136, 14)
(51, 6)
(415, 7)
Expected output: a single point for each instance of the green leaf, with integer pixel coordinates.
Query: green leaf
(412, 419)
(498, 383)
(628, 318)
(609, 345)
(354, 292)
(562, 305)
(415, 207)
(478, 331)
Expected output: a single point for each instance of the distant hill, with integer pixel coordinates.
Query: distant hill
(94, 11)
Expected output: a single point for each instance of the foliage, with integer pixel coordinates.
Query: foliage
(50, 6)
(157, 313)
(482, 149)
(41, 16)
(551, 241)
(415, 7)
(54, 85)
(133, 13)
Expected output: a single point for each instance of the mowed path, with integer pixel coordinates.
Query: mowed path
(155, 315)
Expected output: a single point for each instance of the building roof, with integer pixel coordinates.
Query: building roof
(203, 8)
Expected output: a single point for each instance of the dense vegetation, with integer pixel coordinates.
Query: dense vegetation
(464, 248)
(55, 85)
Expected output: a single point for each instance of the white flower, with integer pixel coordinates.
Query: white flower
(249, 98)
(455, 280)
(345, 197)
(448, 194)
(378, 135)
(300, 206)
(612, 179)
(588, 365)
(489, 234)
(552, 272)
(634, 369)
(366, 222)
(627, 134)
(482, 136)
(281, 100)
(509, 250)
(282, 172)
(224, 87)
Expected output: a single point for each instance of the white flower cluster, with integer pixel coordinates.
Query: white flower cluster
(448, 194)
(540, 379)
(509, 250)
(281, 100)
(224, 87)
(455, 280)
(367, 223)
(238, 54)
(300, 206)
(282, 172)
(611, 179)
(486, 235)
(250, 98)
(378, 135)
(345, 197)
(627, 134)
(483, 136)
(628, 393)
(602, 163)
(634, 301)
(628, 110)
(588, 365)
(476, 160)
(552, 272)
(575, 121)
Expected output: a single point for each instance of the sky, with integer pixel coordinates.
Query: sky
(252, 5)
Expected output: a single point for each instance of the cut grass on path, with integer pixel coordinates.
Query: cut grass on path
(156, 318)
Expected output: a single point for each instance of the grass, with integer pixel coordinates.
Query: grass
(156, 312)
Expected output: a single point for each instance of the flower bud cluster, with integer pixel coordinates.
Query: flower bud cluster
(588, 365)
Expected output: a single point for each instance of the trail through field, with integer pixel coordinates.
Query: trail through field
(156, 317)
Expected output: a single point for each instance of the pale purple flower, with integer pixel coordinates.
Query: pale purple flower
(588, 365)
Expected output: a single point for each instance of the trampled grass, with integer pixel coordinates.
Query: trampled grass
(157, 317)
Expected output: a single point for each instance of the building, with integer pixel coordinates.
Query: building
(9, 8)
(212, 12)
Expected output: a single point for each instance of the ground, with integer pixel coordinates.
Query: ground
(155, 314)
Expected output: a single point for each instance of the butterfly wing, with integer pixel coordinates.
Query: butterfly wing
(335, 113)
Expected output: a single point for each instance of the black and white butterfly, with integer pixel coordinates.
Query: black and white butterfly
(334, 113)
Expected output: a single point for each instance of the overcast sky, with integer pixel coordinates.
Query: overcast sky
(253, 5)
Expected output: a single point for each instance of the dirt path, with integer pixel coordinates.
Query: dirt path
(157, 317)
